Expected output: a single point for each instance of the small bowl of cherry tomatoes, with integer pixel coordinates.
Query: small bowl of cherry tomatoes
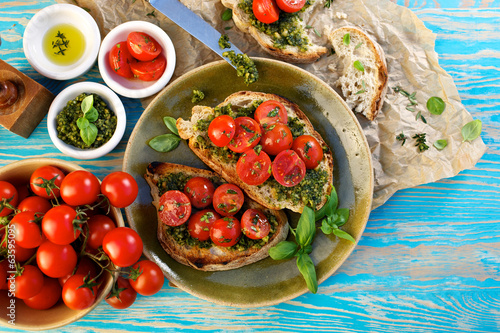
(137, 59)
(61, 228)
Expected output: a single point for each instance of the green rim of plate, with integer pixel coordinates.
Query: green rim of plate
(266, 282)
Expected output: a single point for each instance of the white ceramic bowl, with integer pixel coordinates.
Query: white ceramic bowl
(135, 88)
(49, 17)
(70, 93)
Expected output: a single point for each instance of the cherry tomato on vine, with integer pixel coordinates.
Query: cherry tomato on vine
(76, 294)
(276, 138)
(120, 59)
(80, 187)
(85, 266)
(124, 298)
(120, 188)
(309, 150)
(226, 231)
(22, 254)
(29, 283)
(46, 181)
(4, 268)
(254, 224)
(221, 130)
(175, 208)
(35, 204)
(99, 226)
(8, 196)
(60, 225)
(266, 11)
(200, 223)
(290, 6)
(147, 278)
(271, 112)
(288, 168)
(47, 297)
(253, 168)
(200, 191)
(56, 260)
(142, 46)
(23, 192)
(123, 246)
(27, 233)
(228, 199)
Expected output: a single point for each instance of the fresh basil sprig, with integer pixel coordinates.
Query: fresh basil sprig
(333, 218)
(88, 130)
(166, 142)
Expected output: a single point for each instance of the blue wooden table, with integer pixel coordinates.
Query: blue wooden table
(429, 260)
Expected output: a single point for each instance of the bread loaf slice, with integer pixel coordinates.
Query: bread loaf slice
(363, 91)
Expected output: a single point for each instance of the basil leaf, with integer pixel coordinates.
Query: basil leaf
(164, 143)
(87, 103)
(472, 130)
(347, 39)
(92, 114)
(170, 123)
(308, 271)
(329, 207)
(359, 66)
(82, 123)
(440, 144)
(283, 250)
(436, 105)
(342, 216)
(227, 14)
(326, 228)
(342, 234)
(89, 134)
(306, 227)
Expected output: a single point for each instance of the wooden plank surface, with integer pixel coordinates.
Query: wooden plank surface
(429, 260)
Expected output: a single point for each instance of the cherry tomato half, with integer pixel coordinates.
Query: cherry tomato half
(46, 181)
(276, 138)
(271, 112)
(8, 195)
(221, 130)
(175, 208)
(309, 150)
(80, 187)
(56, 260)
(125, 298)
(150, 279)
(47, 297)
(120, 59)
(58, 225)
(247, 134)
(76, 295)
(120, 188)
(149, 70)
(290, 6)
(200, 191)
(288, 168)
(228, 199)
(254, 224)
(225, 231)
(27, 233)
(200, 223)
(266, 11)
(253, 169)
(142, 46)
(29, 283)
(123, 246)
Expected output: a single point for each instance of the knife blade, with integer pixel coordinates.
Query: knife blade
(193, 24)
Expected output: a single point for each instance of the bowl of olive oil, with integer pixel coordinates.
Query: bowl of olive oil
(62, 41)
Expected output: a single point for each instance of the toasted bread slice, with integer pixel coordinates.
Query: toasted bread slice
(289, 53)
(214, 258)
(364, 91)
(267, 193)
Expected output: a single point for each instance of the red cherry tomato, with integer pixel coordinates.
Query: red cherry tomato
(266, 11)
(80, 187)
(290, 6)
(99, 226)
(200, 191)
(85, 266)
(226, 231)
(56, 260)
(142, 46)
(35, 204)
(200, 223)
(150, 279)
(228, 199)
(76, 295)
(309, 150)
(253, 169)
(271, 112)
(149, 70)
(58, 225)
(29, 283)
(125, 298)
(120, 60)
(175, 208)
(22, 254)
(23, 192)
(27, 233)
(254, 224)
(276, 138)
(123, 246)
(47, 297)
(120, 188)
(8, 196)
(247, 134)
(4, 268)
(288, 168)
(46, 181)
(221, 130)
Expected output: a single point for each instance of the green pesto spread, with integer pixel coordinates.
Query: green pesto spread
(224, 42)
(197, 96)
(245, 67)
(287, 31)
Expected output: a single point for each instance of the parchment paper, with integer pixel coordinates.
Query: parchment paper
(412, 65)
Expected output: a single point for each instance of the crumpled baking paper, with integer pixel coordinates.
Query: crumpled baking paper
(412, 64)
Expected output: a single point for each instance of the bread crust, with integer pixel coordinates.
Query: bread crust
(215, 258)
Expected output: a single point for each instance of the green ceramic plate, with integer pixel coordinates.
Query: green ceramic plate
(266, 282)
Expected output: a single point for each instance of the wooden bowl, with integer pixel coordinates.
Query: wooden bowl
(18, 173)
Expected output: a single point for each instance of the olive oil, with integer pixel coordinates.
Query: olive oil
(63, 44)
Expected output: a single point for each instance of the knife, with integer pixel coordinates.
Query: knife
(193, 24)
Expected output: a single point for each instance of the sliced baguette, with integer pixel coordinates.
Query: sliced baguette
(289, 53)
(366, 98)
(263, 194)
(215, 258)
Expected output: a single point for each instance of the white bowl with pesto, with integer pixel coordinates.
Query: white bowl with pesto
(114, 104)
(71, 54)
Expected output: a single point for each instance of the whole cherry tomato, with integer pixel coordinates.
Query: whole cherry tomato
(266, 11)
(58, 225)
(35, 204)
(253, 168)
(76, 293)
(200, 223)
(22, 254)
(99, 226)
(200, 191)
(123, 295)
(147, 278)
(309, 150)
(255, 224)
(123, 246)
(120, 188)
(246, 136)
(8, 196)
(4, 268)
(149, 70)
(271, 112)
(288, 168)
(27, 233)
(120, 59)
(226, 231)
(228, 199)
(47, 297)
(46, 181)
(142, 46)
(56, 260)
(221, 130)
(80, 187)
(85, 266)
(276, 138)
(290, 6)
(29, 283)
(175, 208)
